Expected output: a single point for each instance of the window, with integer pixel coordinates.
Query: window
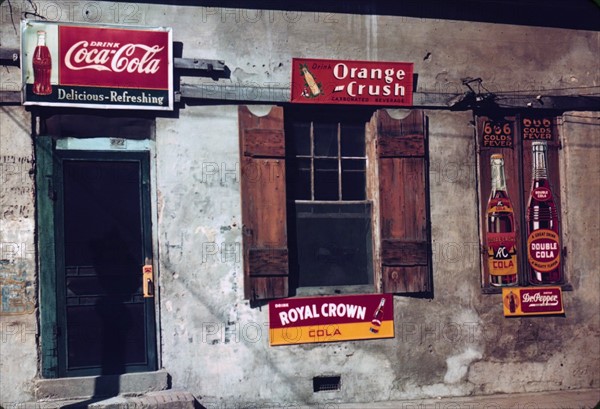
(521, 143)
(334, 197)
(329, 216)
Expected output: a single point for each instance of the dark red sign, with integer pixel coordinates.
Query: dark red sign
(532, 301)
(497, 134)
(97, 66)
(352, 82)
(537, 128)
(113, 57)
(545, 300)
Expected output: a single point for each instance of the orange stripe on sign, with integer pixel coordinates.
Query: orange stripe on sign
(330, 333)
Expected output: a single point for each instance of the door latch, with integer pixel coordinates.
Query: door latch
(148, 281)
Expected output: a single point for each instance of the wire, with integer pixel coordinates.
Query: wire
(548, 89)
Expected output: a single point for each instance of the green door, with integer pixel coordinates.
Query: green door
(104, 324)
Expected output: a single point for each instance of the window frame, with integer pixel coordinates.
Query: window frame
(397, 167)
(337, 118)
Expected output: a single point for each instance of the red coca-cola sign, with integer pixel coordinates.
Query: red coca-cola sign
(97, 66)
(110, 57)
(352, 82)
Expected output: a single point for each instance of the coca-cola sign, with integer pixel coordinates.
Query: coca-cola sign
(532, 301)
(97, 66)
(352, 82)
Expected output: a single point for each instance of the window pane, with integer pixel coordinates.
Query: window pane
(326, 179)
(333, 242)
(300, 178)
(325, 135)
(353, 140)
(353, 179)
(300, 139)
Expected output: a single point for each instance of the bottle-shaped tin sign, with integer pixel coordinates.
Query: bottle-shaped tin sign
(543, 241)
(42, 66)
(501, 232)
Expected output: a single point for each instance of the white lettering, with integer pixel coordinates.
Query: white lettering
(541, 300)
(332, 310)
(283, 317)
(80, 57)
(344, 71)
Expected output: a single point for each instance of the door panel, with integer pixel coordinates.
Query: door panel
(103, 240)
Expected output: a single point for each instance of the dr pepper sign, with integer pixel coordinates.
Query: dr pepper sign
(329, 319)
(352, 82)
(97, 66)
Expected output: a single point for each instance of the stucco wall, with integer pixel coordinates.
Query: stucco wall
(216, 346)
(458, 343)
(18, 325)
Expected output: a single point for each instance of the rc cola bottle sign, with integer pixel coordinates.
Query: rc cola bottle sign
(42, 66)
(377, 316)
(501, 234)
(543, 243)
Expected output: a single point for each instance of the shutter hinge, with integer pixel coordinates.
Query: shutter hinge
(246, 231)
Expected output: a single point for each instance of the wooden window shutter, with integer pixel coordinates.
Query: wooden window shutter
(262, 152)
(403, 203)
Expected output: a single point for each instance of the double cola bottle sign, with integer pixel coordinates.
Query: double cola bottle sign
(543, 242)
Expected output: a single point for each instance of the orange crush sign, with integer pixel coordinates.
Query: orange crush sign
(352, 82)
(330, 319)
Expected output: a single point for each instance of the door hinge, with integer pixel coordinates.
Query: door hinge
(50, 186)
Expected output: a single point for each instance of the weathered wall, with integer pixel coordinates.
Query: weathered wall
(213, 343)
(456, 344)
(18, 325)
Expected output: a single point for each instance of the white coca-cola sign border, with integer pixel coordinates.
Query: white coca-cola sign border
(88, 55)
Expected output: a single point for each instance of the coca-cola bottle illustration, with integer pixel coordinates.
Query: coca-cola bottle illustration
(543, 242)
(501, 233)
(42, 66)
(377, 316)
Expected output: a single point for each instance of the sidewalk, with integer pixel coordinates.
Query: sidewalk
(580, 399)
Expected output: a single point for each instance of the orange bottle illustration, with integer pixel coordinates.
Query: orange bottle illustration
(310, 81)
